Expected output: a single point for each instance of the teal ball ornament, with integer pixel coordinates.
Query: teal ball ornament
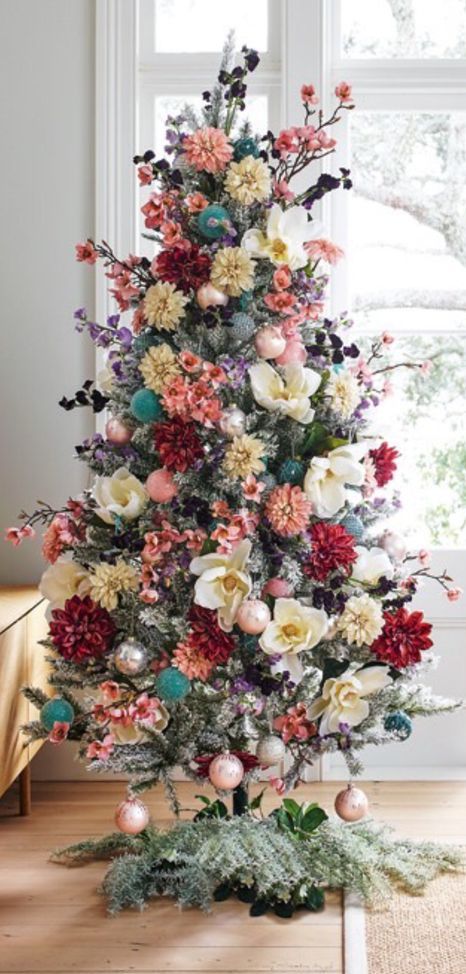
(242, 326)
(400, 724)
(244, 300)
(214, 222)
(291, 472)
(245, 147)
(145, 406)
(54, 711)
(354, 526)
(172, 684)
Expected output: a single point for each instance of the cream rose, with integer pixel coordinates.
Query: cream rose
(62, 580)
(290, 395)
(342, 698)
(223, 582)
(121, 495)
(295, 627)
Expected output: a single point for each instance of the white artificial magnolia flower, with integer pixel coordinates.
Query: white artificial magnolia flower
(62, 580)
(327, 477)
(284, 238)
(295, 627)
(289, 395)
(372, 563)
(361, 621)
(341, 701)
(223, 582)
(121, 495)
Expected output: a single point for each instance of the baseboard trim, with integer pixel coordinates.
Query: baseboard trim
(379, 773)
(354, 935)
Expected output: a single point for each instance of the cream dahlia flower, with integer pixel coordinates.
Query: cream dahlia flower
(108, 582)
(361, 621)
(158, 367)
(223, 582)
(232, 271)
(243, 457)
(248, 181)
(284, 238)
(164, 305)
(327, 477)
(372, 563)
(341, 701)
(294, 628)
(62, 580)
(343, 391)
(121, 495)
(289, 395)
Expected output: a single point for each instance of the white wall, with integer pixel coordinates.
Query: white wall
(47, 204)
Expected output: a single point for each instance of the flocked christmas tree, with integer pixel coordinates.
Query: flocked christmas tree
(226, 597)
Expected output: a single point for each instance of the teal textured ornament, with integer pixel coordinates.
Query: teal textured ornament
(291, 472)
(244, 300)
(354, 526)
(56, 711)
(214, 221)
(398, 723)
(242, 326)
(172, 684)
(245, 147)
(145, 406)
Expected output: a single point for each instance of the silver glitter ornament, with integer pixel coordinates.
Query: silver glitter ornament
(270, 750)
(242, 327)
(130, 657)
(233, 422)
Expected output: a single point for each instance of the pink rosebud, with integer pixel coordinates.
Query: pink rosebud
(295, 352)
(86, 252)
(386, 338)
(424, 557)
(308, 95)
(59, 732)
(145, 175)
(282, 278)
(344, 91)
(454, 594)
(278, 588)
(426, 367)
(101, 749)
(17, 535)
(278, 784)
(281, 191)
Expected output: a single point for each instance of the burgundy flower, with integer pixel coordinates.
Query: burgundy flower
(404, 636)
(214, 644)
(383, 457)
(332, 548)
(82, 630)
(249, 761)
(185, 266)
(178, 444)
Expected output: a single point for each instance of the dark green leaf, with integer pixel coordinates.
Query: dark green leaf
(258, 908)
(257, 801)
(315, 898)
(222, 892)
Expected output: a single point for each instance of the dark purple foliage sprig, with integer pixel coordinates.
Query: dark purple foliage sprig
(86, 396)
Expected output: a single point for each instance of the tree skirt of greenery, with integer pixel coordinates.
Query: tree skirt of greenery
(198, 862)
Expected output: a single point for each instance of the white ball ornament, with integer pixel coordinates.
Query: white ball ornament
(270, 342)
(130, 657)
(208, 296)
(253, 616)
(270, 751)
(226, 771)
(351, 804)
(233, 422)
(132, 816)
(394, 545)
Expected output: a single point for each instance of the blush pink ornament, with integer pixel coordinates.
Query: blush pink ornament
(116, 432)
(160, 486)
(294, 353)
(351, 804)
(208, 296)
(226, 771)
(270, 342)
(132, 816)
(278, 588)
(253, 616)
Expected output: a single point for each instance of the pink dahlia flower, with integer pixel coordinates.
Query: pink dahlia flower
(208, 149)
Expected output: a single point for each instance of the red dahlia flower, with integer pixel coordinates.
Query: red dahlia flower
(404, 636)
(383, 457)
(184, 266)
(178, 444)
(82, 630)
(206, 635)
(332, 548)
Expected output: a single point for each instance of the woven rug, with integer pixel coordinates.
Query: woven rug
(420, 934)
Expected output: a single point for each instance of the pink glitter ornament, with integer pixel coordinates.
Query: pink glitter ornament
(208, 296)
(351, 804)
(278, 588)
(226, 771)
(253, 616)
(160, 486)
(132, 816)
(116, 432)
(270, 342)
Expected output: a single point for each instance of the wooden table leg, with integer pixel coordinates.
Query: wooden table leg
(25, 791)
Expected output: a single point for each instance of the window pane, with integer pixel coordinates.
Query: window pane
(403, 28)
(256, 114)
(189, 26)
(408, 275)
